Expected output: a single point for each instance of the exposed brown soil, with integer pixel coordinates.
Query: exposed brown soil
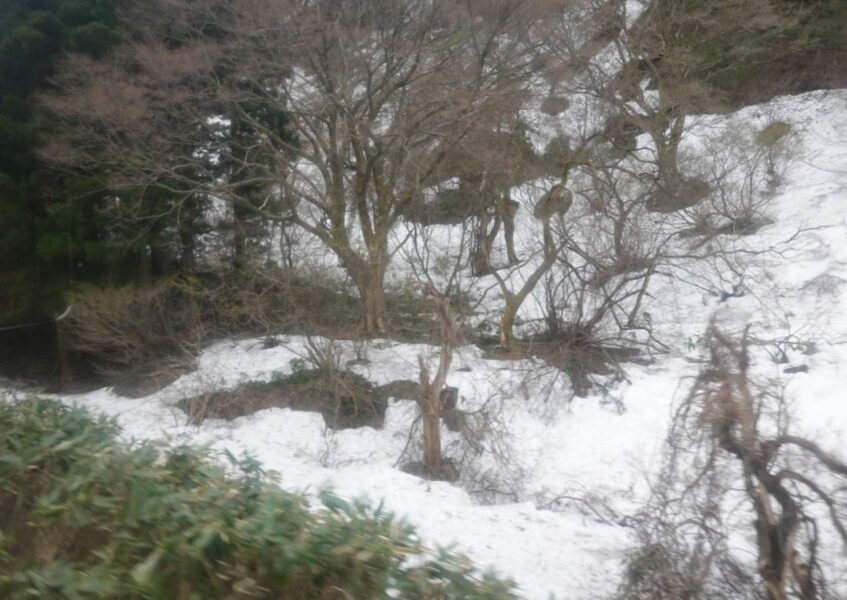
(447, 471)
(344, 399)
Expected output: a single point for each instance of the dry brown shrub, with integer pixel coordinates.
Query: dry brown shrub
(140, 339)
(137, 339)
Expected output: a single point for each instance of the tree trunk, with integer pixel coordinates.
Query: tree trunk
(375, 317)
(669, 177)
(370, 281)
(368, 275)
(667, 151)
(430, 395)
(483, 241)
(507, 323)
(514, 301)
(508, 210)
(430, 402)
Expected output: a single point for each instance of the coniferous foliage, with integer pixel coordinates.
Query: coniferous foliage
(43, 243)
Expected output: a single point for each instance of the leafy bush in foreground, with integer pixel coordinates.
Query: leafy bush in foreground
(83, 516)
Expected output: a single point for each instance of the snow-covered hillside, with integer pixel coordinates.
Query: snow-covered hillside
(567, 470)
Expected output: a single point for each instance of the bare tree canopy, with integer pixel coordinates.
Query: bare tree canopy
(334, 112)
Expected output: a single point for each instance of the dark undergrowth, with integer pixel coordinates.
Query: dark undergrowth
(140, 339)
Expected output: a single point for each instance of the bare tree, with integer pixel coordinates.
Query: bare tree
(633, 199)
(474, 184)
(375, 93)
(554, 203)
(429, 399)
(634, 74)
(732, 434)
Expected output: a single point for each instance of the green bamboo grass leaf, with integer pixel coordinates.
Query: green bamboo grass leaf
(142, 572)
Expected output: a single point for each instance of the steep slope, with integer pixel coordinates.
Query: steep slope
(561, 475)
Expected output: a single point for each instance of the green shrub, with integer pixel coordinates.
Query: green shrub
(84, 516)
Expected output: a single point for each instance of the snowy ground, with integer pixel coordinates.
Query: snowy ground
(575, 466)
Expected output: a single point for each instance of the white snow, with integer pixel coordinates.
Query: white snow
(571, 468)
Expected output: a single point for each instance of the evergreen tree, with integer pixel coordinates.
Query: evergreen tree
(44, 244)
